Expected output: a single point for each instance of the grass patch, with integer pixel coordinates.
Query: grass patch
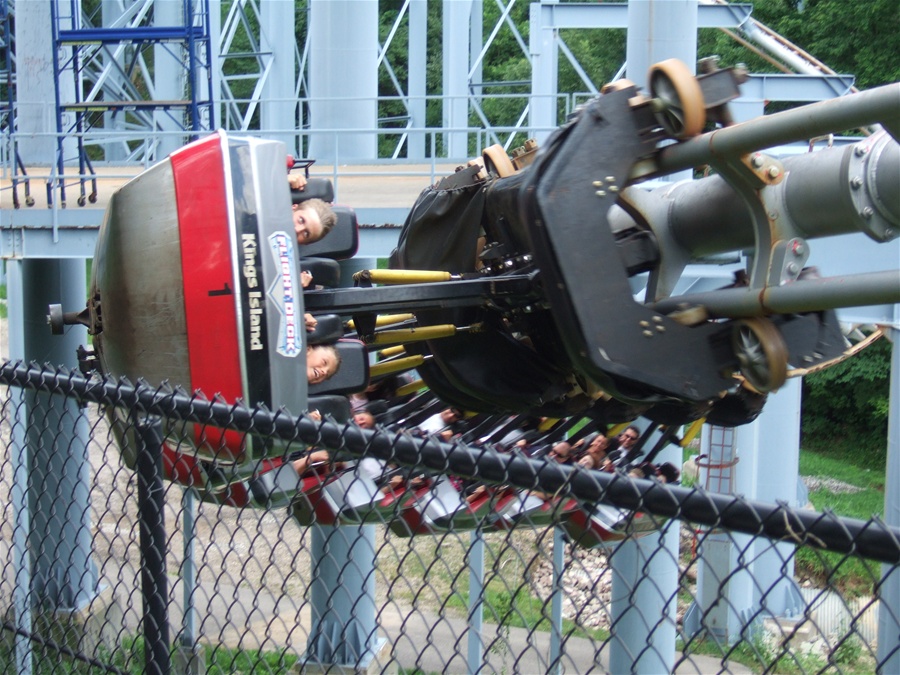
(841, 465)
(520, 609)
(130, 658)
(851, 575)
(509, 598)
(764, 652)
(219, 660)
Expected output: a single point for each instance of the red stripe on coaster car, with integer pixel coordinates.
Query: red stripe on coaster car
(209, 289)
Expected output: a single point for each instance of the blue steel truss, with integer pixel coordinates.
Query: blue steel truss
(111, 65)
(18, 172)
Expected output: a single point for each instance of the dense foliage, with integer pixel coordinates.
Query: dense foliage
(862, 38)
(857, 38)
(845, 407)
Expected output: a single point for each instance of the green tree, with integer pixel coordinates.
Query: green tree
(862, 38)
(858, 38)
(846, 406)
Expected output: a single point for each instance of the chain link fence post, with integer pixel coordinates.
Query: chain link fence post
(556, 603)
(476, 600)
(154, 584)
(188, 657)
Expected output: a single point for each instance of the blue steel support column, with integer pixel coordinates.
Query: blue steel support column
(342, 597)
(416, 83)
(889, 593)
(640, 642)
(19, 455)
(544, 71)
(642, 600)
(455, 76)
(645, 571)
(771, 442)
(476, 42)
(745, 109)
(718, 552)
(169, 78)
(278, 110)
(215, 39)
(63, 574)
(114, 150)
(36, 120)
(343, 80)
(659, 30)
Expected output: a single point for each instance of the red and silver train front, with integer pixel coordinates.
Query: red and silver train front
(196, 278)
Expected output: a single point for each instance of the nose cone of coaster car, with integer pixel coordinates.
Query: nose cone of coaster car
(196, 278)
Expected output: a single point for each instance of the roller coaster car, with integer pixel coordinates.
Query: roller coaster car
(439, 505)
(196, 276)
(277, 483)
(347, 497)
(196, 285)
(534, 510)
(196, 282)
(600, 524)
(543, 261)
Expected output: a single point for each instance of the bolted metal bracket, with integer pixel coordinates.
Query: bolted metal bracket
(59, 320)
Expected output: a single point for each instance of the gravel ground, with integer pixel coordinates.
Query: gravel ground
(831, 484)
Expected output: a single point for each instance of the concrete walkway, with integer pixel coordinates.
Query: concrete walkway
(440, 645)
(360, 186)
(417, 640)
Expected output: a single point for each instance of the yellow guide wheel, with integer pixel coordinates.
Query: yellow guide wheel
(497, 161)
(678, 99)
(761, 353)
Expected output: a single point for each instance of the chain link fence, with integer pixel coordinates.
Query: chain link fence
(137, 536)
